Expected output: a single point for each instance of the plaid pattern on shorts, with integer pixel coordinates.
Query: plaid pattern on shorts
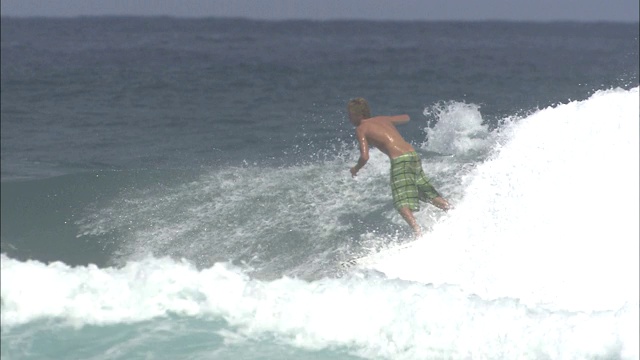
(409, 183)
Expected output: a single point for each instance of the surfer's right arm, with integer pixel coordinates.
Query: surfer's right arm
(399, 119)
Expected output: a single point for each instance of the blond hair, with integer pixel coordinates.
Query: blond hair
(360, 107)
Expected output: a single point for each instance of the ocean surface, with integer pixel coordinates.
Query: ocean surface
(180, 189)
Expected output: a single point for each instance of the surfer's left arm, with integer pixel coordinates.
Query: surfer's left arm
(364, 151)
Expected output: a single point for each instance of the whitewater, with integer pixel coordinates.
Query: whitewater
(538, 260)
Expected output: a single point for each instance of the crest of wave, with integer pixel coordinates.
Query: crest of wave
(459, 129)
(550, 218)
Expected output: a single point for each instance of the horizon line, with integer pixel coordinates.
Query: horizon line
(332, 19)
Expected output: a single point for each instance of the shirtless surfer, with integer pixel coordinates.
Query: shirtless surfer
(408, 181)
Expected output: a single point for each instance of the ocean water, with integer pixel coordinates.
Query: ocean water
(180, 189)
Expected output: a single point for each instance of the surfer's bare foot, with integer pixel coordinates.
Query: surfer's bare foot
(407, 215)
(417, 230)
(441, 203)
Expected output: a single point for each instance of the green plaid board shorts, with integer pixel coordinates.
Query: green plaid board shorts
(409, 183)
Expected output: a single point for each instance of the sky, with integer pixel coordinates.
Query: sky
(511, 10)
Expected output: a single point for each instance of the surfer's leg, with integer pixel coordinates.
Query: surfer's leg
(404, 190)
(407, 215)
(428, 193)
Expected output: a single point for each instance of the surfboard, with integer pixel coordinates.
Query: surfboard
(374, 257)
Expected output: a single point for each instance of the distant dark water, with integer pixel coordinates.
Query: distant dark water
(130, 93)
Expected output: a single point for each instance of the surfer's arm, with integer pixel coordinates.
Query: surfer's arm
(364, 152)
(399, 119)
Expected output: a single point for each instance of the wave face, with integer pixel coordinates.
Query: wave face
(538, 259)
(550, 216)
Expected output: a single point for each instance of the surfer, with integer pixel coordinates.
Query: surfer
(408, 181)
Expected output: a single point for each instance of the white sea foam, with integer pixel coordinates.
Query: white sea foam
(459, 130)
(551, 218)
(369, 315)
(271, 218)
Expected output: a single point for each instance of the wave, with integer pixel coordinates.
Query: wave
(372, 316)
(538, 259)
(550, 217)
(298, 220)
